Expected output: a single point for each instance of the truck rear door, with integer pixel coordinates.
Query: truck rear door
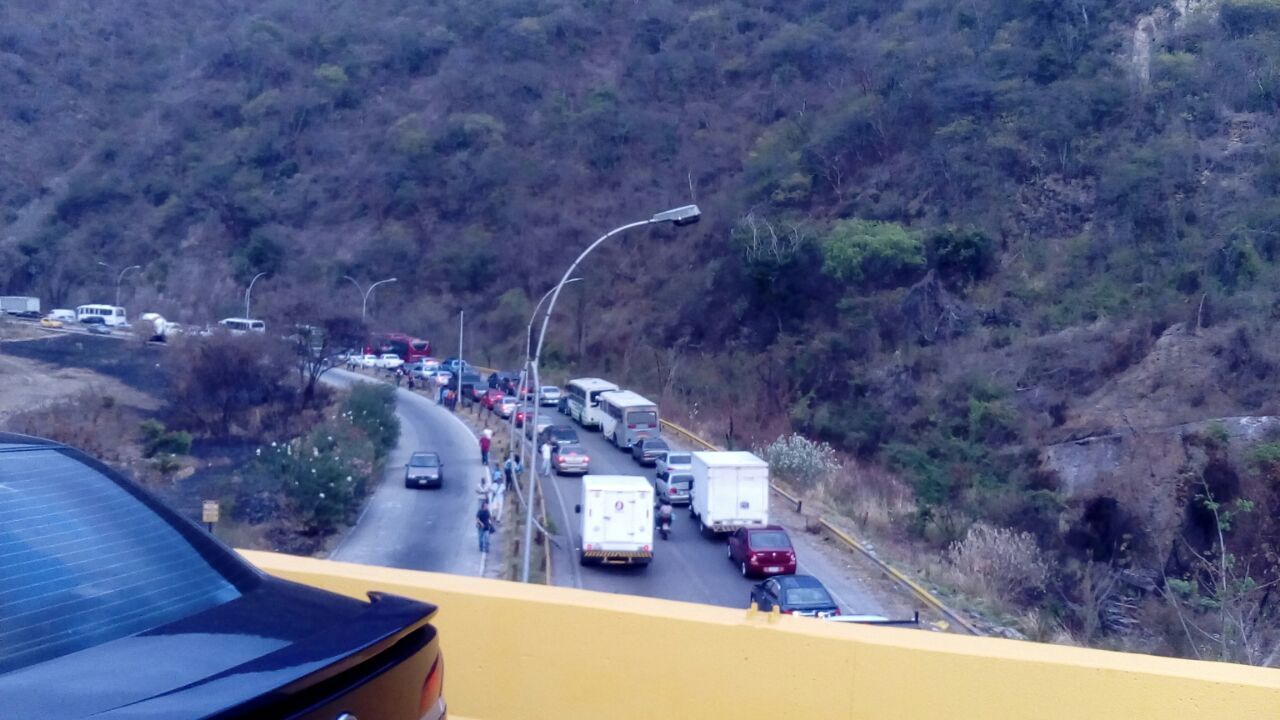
(623, 520)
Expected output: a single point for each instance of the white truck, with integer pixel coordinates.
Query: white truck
(617, 520)
(20, 305)
(730, 491)
(159, 327)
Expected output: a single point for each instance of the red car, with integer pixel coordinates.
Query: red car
(490, 397)
(762, 551)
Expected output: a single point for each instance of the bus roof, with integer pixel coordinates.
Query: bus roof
(626, 399)
(592, 384)
(98, 305)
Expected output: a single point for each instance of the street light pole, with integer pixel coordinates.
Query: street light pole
(120, 277)
(524, 370)
(364, 302)
(686, 215)
(248, 294)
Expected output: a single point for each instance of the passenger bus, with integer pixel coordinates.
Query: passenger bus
(584, 400)
(409, 348)
(243, 325)
(627, 417)
(111, 315)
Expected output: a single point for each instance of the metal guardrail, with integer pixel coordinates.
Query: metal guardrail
(897, 575)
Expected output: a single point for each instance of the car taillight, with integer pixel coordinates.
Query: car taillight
(586, 458)
(788, 612)
(645, 548)
(631, 427)
(836, 611)
(432, 687)
(754, 560)
(672, 490)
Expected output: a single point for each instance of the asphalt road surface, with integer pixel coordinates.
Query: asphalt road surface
(419, 529)
(686, 567)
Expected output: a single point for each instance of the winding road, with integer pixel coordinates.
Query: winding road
(433, 529)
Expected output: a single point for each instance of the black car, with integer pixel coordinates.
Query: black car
(112, 605)
(795, 595)
(649, 450)
(93, 320)
(558, 434)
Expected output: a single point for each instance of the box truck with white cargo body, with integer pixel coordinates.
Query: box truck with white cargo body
(617, 520)
(21, 306)
(730, 491)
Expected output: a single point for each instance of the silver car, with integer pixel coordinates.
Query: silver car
(675, 461)
(674, 487)
(424, 469)
(549, 395)
(570, 457)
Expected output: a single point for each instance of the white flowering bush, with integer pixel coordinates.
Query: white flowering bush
(800, 462)
(1000, 561)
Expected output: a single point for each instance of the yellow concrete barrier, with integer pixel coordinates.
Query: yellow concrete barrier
(528, 651)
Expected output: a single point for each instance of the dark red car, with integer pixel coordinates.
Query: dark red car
(490, 397)
(762, 551)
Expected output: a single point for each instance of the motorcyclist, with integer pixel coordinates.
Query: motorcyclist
(664, 513)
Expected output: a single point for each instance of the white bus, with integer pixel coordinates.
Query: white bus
(243, 325)
(584, 400)
(110, 314)
(627, 417)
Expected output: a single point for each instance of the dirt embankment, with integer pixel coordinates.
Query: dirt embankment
(27, 384)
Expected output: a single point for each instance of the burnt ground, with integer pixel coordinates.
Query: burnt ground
(134, 364)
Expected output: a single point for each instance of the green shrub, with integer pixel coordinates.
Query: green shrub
(961, 253)
(156, 440)
(325, 474)
(865, 251)
(372, 408)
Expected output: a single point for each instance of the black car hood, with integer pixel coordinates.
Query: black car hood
(273, 635)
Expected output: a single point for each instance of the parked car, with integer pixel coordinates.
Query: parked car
(440, 377)
(505, 407)
(548, 395)
(90, 598)
(762, 551)
(99, 329)
(570, 457)
(491, 397)
(674, 487)
(390, 361)
(473, 387)
(795, 595)
(648, 450)
(557, 434)
(93, 320)
(424, 469)
(368, 361)
(674, 461)
(50, 322)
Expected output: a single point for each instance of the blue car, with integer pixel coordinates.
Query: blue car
(114, 606)
(795, 595)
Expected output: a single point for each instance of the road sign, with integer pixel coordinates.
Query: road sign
(209, 512)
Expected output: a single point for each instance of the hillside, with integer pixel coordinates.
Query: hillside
(940, 236)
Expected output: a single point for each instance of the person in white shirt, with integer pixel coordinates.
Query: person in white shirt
(546, 459)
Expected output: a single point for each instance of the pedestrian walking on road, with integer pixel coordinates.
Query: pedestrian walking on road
(484, 526)
(546, 459)
(484, 449)
(497, 503)
(518, 468)
(509, 469)
(496, 479)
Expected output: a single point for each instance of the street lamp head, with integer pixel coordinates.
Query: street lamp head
(681, 216)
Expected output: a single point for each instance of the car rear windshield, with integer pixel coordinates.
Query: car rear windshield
(770, 540)
(84, 562)
(424, 461)
(656, 444)
(808, 596)
(679, 459)
(564, 433)
(682, 481)
(648, 418)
